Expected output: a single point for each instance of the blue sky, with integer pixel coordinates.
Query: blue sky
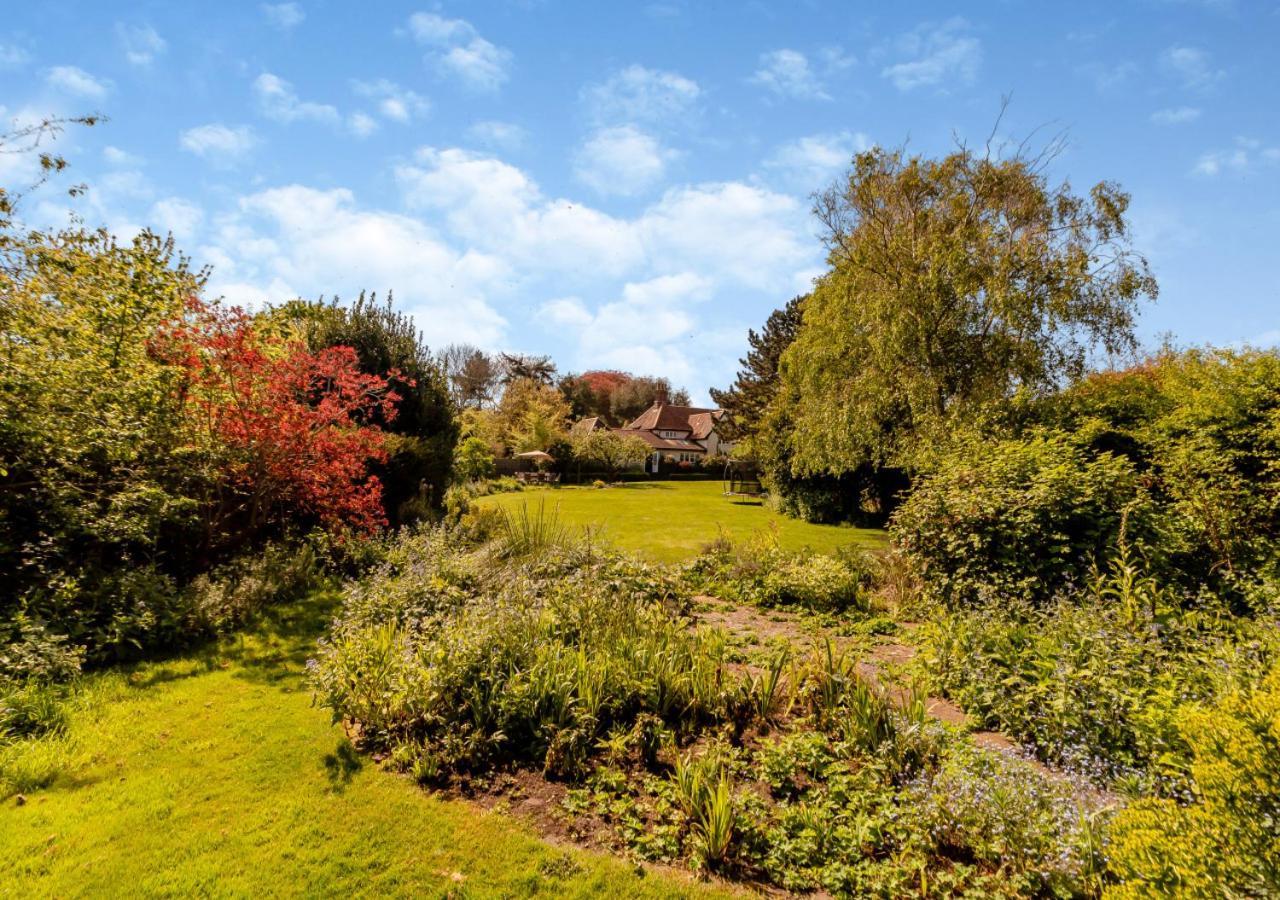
(625, 185)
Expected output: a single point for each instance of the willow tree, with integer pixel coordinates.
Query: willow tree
(952, 283)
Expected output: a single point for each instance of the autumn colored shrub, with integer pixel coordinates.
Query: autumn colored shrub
(422, 432)
(280, 426)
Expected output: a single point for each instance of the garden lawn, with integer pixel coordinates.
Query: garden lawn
(669, 521)
(213, 775)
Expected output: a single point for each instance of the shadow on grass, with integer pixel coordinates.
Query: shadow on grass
(279, 643)
(341, 765)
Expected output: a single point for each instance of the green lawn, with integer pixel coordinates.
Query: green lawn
(668, 521)
(214, 775)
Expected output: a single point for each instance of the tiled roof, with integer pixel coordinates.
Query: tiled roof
(587, 425)
(703, 423)
(665, 417)
(661, 443)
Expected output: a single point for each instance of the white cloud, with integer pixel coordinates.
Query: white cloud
(431, 28)
(478, 238)
(221, 144)
(737, 233)
(733, 232)
(1191, 66)
(117, 157)
(788, 74)
(809, 163)
(460, 52)
(496, 207)
(284, 16)
(1241, 159)
(298, 241)
(622, 160)
(1110, 78)
(277, 100)
(637, 94)
(936, 54)
(477, 64)
(12, 56)
(362, 124)
(499, 135)
(141, 43)
(393, 101)
(1180, 115)
(179, 216)
(641, 330)
(124, 183)
(72, 80)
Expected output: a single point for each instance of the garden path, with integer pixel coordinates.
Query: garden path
(878, 662)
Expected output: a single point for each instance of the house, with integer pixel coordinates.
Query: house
(678, 434)
(588, 425)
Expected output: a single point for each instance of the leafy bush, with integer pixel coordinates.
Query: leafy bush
(473, 460)
(1094, 681)
(1020, 519)
(760, 572)
(1226, 840)
(386, 342)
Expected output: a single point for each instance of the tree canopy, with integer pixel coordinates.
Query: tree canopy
(756, 384)
(953, 282)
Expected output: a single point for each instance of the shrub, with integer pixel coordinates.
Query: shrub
(472, 460)
(233, 593)
(1020, 519)
(760, 572)
(387, 343)
(1226, 840)
(147, 436)
(815, 582)
(1094, 681)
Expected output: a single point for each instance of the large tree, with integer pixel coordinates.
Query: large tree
(531, 416)
(953, 283)
(756, 384)
(617, 397)
(472, 374)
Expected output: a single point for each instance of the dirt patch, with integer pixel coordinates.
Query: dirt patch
(748, 624)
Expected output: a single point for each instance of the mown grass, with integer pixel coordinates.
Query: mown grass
(670, 521)
(213, 774)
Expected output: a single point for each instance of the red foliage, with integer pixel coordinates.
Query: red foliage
(284, 423)
(603, 382)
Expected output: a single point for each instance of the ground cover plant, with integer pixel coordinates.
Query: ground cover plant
(672, 521)
(519, 646)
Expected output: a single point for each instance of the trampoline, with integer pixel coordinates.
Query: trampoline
(742, 480)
